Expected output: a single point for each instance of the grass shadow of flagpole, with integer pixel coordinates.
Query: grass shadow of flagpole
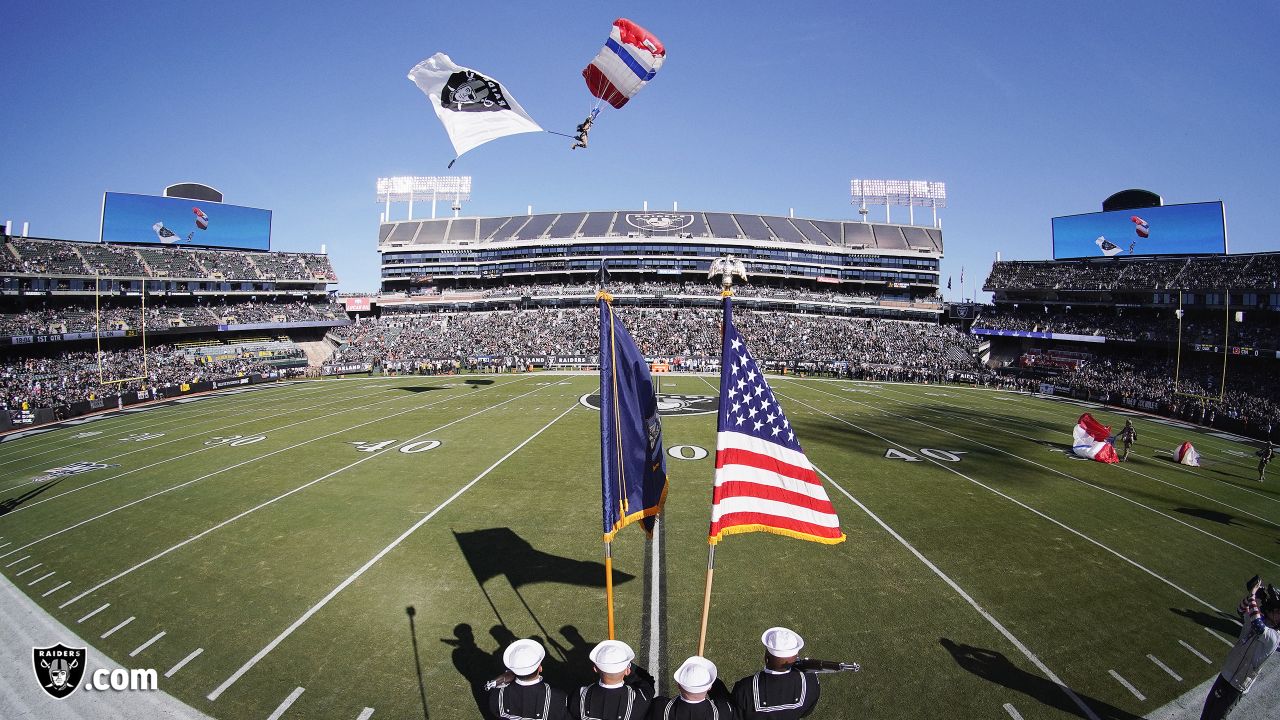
(417, 662)
(500, 552)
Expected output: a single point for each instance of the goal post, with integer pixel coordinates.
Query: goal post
(97, 331)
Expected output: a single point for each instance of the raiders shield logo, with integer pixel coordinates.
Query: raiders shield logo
(59, 669)
(668, 405)
(469, 91)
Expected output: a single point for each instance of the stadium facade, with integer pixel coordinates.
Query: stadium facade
(891, 270)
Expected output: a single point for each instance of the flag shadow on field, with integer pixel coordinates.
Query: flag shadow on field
(417, 662)
(995, 667)
(418, 388)
(11, 504)
(1214, 621)
(1210, 515)
(477, 382)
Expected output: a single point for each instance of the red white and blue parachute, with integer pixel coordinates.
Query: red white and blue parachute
(629, 59)
(1091, 439)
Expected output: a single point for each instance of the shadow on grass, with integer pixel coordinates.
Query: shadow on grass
(13, 503)
(417, 662)
(418, 388)
(1210, 515)
(478, 666)
(477, 382)
(995, 667)
(1216, 621)
(472, 663)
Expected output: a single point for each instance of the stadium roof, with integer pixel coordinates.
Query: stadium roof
(618, 225)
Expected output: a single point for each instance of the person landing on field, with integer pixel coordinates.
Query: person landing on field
(1128, 436)
(1265, 455)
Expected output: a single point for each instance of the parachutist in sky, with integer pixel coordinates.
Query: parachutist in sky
(584, 127)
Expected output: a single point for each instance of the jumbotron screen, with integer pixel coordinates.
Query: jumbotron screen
(1190, 229)
(174, 221)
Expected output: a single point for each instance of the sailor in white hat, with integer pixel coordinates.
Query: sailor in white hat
(779, 691)
(527, 697)
(623, 691)
(702, 695)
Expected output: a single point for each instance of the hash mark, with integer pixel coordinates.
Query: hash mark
(56, 589)
(1165, 668)
(183, 663)
(1127, 685)
(285, 705)
(1195, 652)
(1229, 643)
(95, 612)
(24, 572)
(112, 630)
(146, 644)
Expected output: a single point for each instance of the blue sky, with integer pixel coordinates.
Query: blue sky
(1026, 110)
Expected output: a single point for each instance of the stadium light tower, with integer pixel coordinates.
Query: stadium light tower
(411, 187)
(911, 193)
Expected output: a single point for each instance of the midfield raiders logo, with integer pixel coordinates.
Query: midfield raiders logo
(660, 222)
(75, 468)
(668, 405)
(469, 91)
(59, 669)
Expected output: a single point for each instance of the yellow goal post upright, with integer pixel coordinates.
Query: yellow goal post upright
(97, 331)
(1226, 350)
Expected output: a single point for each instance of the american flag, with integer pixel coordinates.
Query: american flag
(764, 482)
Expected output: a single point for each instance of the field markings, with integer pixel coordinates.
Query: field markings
(112, 631)
(1155, 432)
(24, 572)
(42, 577)
(1055, 471)
(1218, 636)
(1195, 652)
(146, 644)
(300, 488)
(117, 431)
(1030, 509)
(218, 472)
(47, 593)
(373, 561)
(365, 714)
(1128, 685)
(1165, 668)
(1026, 652)
(293, 696)
(183, 662)
(15, 562)
(95, 612)
(1013, 712)
(204, 449)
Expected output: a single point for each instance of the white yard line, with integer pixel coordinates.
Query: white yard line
(1026, 652)
(42, 577)
(373, 561)
(1195, 652)
(1220, 638)
(1165, 668)
(1013, 712)
(95, 612)
(1128, 685)
(47, 593)
(223, 470)
(112, 631)
(277, 498)
(1028, 508)
(1055, 471)
(146, 644)
(285, 705)
(207, 448)
(183, 662)
(365, 714)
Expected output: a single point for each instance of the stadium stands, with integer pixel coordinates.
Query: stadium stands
(1259, 271)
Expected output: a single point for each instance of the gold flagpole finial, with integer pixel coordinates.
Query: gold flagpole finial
(605, 296)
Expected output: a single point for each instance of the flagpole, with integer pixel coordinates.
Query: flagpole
(608, 582)
(706, 599)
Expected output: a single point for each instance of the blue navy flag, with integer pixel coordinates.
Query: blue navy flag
(633, 471)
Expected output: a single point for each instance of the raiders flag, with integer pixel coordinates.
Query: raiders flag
(473, 107)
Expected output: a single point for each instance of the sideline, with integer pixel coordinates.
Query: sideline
(26, 626)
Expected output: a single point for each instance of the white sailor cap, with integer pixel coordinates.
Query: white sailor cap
(612, 656)
(696, 674)
(781, 642)
(523, 657)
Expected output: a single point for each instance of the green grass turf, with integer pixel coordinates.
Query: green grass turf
(239, 548)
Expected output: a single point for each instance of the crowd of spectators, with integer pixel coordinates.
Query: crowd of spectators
(123, 314)
(654, 289)
(67, 377)
(1215, 272)
(1255, 330)
(690, 338)
(63, 257)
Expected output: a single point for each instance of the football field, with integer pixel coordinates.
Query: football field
(365, 547)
